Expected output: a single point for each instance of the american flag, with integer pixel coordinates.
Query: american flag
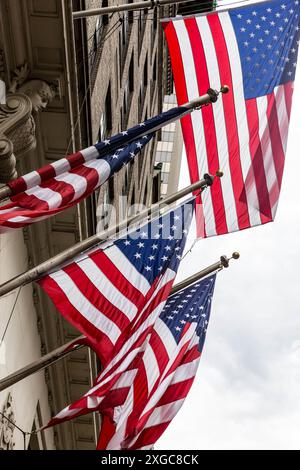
(109, 291)
(64, 183)
(253, 49)
(139, 394)
(166, 372)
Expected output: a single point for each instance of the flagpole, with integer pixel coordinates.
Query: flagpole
(48, 266)
(210, 96)
(222, 263)
(66, 349)
(125, 7)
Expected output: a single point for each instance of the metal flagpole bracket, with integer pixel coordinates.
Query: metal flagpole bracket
(225, 261)
(211, 96)
(209, 179)
(214, 94)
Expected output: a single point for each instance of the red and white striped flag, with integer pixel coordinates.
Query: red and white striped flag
(60, 185)
(114, 296)
(166, 371)
(253, 49)
(106, 292)
(141, 390)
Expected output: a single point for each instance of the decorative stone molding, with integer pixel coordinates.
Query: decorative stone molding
(17, 123)
(7, 161)
(17, 126)
(39, 92)
(6, 427)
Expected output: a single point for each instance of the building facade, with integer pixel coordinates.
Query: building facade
(169, 152)
(69, 83)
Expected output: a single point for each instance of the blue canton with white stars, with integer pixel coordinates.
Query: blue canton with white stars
(159, 244)
(190, 305)
(124, 155)
(111, 144)
(268, 38)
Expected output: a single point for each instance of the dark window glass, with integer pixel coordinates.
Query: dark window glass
(154, 71)
(131, 74)
(108, 109)
(130, 13)
(146, 71)
(105, 17)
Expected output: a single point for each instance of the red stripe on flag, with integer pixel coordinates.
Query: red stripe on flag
(140, 394)
(90, 292)
(208, 124)
(149, 436)
(116, 277)
(17, 185)
(46, 172)
(159, 349)
(182, 97)
(276, 144)
(106, 433)
(288, 94)
(176, 392)
(100, 341)
(257, 161)
(230, 122)
(30, 202)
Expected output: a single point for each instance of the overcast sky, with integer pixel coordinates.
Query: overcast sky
(247, 391)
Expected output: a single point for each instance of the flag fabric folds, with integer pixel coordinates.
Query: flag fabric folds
(109, 291)
(64, 183)
(166, 372)
(253, 49)
(139, 394)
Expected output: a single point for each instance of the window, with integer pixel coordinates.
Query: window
(131, 74)
(167, 136)
(108, 110)
(154, 70)
(164, 177)
(105, 17)
(145, 199)
(111, 190)
(106, 117)
(155, 18)
(146, 71)
(163, 156)
(130, 13)
(156, 187)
